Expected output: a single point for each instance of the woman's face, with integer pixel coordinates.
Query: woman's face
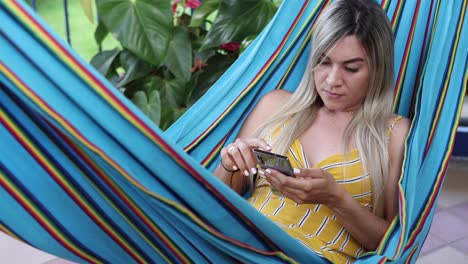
(342, 77)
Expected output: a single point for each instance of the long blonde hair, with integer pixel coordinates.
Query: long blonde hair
(366, 20)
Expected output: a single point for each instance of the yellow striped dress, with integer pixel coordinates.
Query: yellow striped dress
(315, 225)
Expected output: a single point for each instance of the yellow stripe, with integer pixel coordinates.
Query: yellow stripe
(55, 174)
(20, 197)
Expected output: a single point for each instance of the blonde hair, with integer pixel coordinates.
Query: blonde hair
(367, 21)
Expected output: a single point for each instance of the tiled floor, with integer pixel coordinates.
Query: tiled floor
(447, 241)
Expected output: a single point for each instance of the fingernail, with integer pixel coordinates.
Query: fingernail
(268, 170)
(261, 172)
(234, 167)
(296, 170)
(246, 173)
(253, 170)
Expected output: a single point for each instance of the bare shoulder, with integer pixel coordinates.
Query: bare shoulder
(270, 103)
(399, 127)
(274, 99)
(267, 106)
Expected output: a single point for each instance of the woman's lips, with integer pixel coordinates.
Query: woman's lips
(332, 95)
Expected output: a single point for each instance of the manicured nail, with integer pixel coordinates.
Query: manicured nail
(261, 172)
(296, 170)
(253, 170)
(234, 167)
(268, 170)
(246, 173)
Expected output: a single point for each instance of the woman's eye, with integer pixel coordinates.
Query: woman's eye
(351, 69)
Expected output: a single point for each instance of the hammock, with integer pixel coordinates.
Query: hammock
(84, 175)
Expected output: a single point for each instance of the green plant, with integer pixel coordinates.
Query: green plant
(170, 53)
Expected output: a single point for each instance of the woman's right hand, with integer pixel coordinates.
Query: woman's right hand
(239, 156)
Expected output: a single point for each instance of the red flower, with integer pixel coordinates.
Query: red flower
(232, 46)
(192, 3)
(188, 3)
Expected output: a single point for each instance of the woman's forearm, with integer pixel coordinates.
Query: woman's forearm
(367, 228)
(234, 180)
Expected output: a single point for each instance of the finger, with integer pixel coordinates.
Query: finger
(258, 143)
(236, 155)
(295, 185)
(309, 173)
(280, 180)
(247, 155)
(227, 160)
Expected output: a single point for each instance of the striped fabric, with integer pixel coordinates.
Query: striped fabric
(314, 225)
(86, 176)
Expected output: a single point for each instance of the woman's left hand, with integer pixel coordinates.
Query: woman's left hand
(314, 186)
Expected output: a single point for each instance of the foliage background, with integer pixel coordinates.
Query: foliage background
(163, 55)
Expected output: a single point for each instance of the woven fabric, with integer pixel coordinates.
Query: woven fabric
(86, 176)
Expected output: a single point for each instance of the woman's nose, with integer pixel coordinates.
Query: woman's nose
(334, 77)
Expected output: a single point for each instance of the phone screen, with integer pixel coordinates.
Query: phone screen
(274, 161)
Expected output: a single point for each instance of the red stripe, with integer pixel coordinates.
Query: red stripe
(67, 190)
(421, 57)
(267, 64)
(411, 255)
(429, 205)
(101, 86)
(118, 192)
(32, 212)
(395, 16)
(218, 145)
(402, 71)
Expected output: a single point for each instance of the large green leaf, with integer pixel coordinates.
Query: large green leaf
(173, 92)
(134, 67)
(179, 55)
(237, 19)
(217, 65)
(87, 6)
(150, 105)
(144, 26)
(203, 11)
(104, 61)
(100, 33)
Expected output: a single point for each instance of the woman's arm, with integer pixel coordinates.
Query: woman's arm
(240, 156)
(318, 186)
(363, 225)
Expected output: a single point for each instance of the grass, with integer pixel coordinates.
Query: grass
(81, 29)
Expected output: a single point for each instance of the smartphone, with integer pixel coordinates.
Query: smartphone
(269, 160)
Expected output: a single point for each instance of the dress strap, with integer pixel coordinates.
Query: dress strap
(392, 125)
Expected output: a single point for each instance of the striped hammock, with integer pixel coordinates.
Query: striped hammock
(84, 175)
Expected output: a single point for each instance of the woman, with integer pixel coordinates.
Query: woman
(338, 130)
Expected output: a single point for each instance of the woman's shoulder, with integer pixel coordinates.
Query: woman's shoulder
(275, 98)
(268, 105)
(398, 124)
(397, 133)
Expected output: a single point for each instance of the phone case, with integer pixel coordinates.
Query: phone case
(269, 160)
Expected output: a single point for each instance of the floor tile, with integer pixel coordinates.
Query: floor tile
(14, 251)
(449, 227)
(432, 243)
(443, 255)
(461, 245)
(455, 188)
(460, 210)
